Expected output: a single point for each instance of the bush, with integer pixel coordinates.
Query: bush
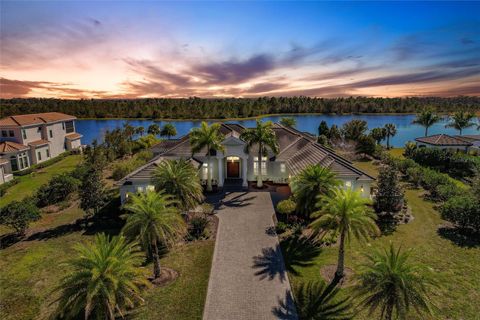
(431, 180)
(447, 191)
(19, 214)
(57, 189)
(4, 187)
(390, 195)
(286, 207)
(281, 227)
(42, 165)
(121, 169)
(146, 142)
(207, 209)
(197, 228)
(414, 175)
(464, 211)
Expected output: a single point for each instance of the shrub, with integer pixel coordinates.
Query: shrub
(146, 142)
(286, 207)
(431, 180)
(121, 169)
(19, 214)
(281, 227)
(390, 195)
(42, 165)
(4, 187)
(207, 209)
(447, 191)
(197, 228)
(462, 210)
(414, 175)
(57, 189)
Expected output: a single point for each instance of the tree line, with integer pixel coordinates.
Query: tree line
(221, 108)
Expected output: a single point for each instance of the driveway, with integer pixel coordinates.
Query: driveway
(248, 279)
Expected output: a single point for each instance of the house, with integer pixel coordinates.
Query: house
(444, 141)
(474, 139)
(30, 139)
(297, 150)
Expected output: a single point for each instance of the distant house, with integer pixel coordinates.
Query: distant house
(297, 150)
(444, 141)
(29, 139)
(474, 139)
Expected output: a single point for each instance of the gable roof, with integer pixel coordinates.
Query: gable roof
(443, 140)
(35, 118)
(9, 146)
(469, 137)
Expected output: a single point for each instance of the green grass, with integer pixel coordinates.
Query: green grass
(456, 268)
(28, 184)
(397, 152)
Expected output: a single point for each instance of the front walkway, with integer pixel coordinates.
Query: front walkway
(248, 279)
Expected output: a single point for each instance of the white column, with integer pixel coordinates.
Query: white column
(220, 172)
(244, 171)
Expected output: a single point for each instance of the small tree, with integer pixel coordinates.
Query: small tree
(92, 192)
(464, 211)
(354, 129)
(286, 207)
(335, 133)
(19, 214)
(288, 122)
(140, 130)
(365, 145)
(323, 129)
(153, 129)
(57, 189)
(168, 131)
(390, 195)
(379, 134)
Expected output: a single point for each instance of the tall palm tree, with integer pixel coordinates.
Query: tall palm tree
(179, 179)
(426, 118)
(393, 284)
(153, 218)
(461, 120)
(315, 301)
(312, 181)
(391, 131)
(153, 129)
(104, 280)
(478, 121)
(263, 136)
(168, 131)
(346, 212)
(208, 137)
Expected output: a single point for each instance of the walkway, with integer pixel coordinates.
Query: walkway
(248, 279)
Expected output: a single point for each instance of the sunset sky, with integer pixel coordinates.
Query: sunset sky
(108, 49)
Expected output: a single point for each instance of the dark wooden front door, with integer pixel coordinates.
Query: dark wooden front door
(233, 169)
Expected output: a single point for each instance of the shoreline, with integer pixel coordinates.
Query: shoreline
(258, 117)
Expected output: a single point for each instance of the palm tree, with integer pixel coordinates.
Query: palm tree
(426, 118)
(179, 179)
(315, 301)
(312, 181)
(153, 129)
(478, 125)
(140, 130)
(128, 130)
(378, 134)
(104, 282)
(347, 213)
(461, 120)
(288, 122)
(153, 218)
(168, 131)
(208, 137)
(394, 285)
(391, 131)
(263, 136)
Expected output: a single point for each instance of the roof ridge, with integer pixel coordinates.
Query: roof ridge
(289, 146)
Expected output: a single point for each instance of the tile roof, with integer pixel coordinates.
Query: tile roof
(36, 143)
(469, 137)
(73, 136)
(443, 140)
(35, 118)
(9, 146)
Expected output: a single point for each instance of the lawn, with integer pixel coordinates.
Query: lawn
(455, 266)
(32, 268)
(28, 184)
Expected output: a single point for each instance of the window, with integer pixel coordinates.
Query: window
(205, 171)
(4, 133)
(39, 129)
(14, 163)
(283, 168)
(48, 153)
(69, 127)
(50, 132)
(24, 134)
(263, 165)
(150, 188)
(22, 161)
(39, 154)
(139, 189)
(11, 133)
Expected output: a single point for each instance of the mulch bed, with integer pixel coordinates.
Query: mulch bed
(328, 273)
(167, 276)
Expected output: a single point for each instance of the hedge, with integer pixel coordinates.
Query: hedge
(42, 165)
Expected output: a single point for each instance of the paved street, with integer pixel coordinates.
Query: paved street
(248, 279)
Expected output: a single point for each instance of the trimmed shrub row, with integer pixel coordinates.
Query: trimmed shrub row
(42, 165)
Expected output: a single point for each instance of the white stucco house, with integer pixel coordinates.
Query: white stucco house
(445, 142)
(297, 150)
(29, 139)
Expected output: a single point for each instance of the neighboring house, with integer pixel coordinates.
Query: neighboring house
(29, 139)
(297, 150)
(474, 139)
(444, 141)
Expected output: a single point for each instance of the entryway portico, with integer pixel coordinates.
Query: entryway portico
(233, 162)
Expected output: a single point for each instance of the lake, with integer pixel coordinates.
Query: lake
(406, 131)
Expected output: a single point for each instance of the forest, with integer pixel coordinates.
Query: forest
(223, 108)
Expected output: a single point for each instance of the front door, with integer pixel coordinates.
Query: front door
(233, 169)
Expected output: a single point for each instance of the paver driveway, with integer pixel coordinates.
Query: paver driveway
(248, 279)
